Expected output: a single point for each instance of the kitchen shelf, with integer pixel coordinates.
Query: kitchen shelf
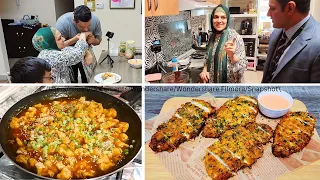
(249, 36)
(243, 4)
(262, 55)
(243, 15)
(251, 58)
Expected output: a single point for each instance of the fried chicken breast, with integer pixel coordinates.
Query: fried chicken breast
(233, 113)
(186, 123)
(236, 149)
(293, 133)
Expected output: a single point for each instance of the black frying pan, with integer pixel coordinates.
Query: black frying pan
(124, 111)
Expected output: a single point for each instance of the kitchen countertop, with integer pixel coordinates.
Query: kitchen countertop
(121, 67)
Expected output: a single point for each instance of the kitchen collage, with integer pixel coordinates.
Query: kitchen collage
(160, 89)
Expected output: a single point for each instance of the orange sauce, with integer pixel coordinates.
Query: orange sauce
(274, 101)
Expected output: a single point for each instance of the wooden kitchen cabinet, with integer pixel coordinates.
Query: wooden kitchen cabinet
(161, 7)
(19, 40)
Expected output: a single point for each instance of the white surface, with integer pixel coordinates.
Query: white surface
(100, 5)
(315, 9)
(45, 9)
(192, 4)
(111, 80)
(243, 15)
(271, 112)
(125, 23)
(249, 36)
(184, 61)
(197, 63)
(186, 54)
(251, 58)
(6, 91)
(4, 67)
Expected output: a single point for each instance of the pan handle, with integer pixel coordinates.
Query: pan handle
(132, 96)
(119, 175)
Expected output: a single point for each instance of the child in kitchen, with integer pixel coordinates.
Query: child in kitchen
(31, 70)
(226, 57)
(50, 43)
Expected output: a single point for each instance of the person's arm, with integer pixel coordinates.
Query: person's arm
(72, 41)
(78, 51)
(69, 55)
(204, 75)
(239, 60)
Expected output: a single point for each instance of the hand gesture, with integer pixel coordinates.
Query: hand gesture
(83, 36)
(230, 48)
(204, 75)
(90, 38)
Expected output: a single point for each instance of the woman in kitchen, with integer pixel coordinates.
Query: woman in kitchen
(50, 43)
(226, 57)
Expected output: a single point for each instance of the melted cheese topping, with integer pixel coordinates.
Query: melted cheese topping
(201, 106)
(249, 99)
(219, 159)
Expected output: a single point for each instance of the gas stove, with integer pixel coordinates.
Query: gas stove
(9, 95)
(196, 58)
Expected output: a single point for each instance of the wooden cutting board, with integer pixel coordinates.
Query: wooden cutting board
(154, 169)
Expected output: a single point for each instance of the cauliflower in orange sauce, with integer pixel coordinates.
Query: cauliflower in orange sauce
(69, 138)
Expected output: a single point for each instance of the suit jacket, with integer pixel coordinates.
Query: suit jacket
(301, 63)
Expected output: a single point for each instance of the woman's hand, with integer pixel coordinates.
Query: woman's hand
(83, 36)
(230, 48)
(204, 75)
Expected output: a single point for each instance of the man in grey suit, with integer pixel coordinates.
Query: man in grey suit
(294, 48)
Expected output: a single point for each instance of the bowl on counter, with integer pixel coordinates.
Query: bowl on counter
(274, 104)
(135, 63)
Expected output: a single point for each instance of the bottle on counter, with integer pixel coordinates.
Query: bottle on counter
(199, 40)
(122, 48)
(130, 49)
(174, 62)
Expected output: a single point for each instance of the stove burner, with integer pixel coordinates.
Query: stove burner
(197, 56)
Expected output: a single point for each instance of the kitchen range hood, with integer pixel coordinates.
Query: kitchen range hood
(195, 4)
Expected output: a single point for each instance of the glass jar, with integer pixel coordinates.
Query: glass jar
(122, 48)
(130, 49)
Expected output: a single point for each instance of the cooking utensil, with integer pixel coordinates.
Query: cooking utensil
(124, 113)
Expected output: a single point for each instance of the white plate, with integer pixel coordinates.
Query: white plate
(111, 80)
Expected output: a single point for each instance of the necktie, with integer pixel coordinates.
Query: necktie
(274, 63)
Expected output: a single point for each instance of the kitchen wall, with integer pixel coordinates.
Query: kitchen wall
(63, 6)
(315, 9)
(43, 8)
(151, 32)
(4, 65)
(125, 23)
